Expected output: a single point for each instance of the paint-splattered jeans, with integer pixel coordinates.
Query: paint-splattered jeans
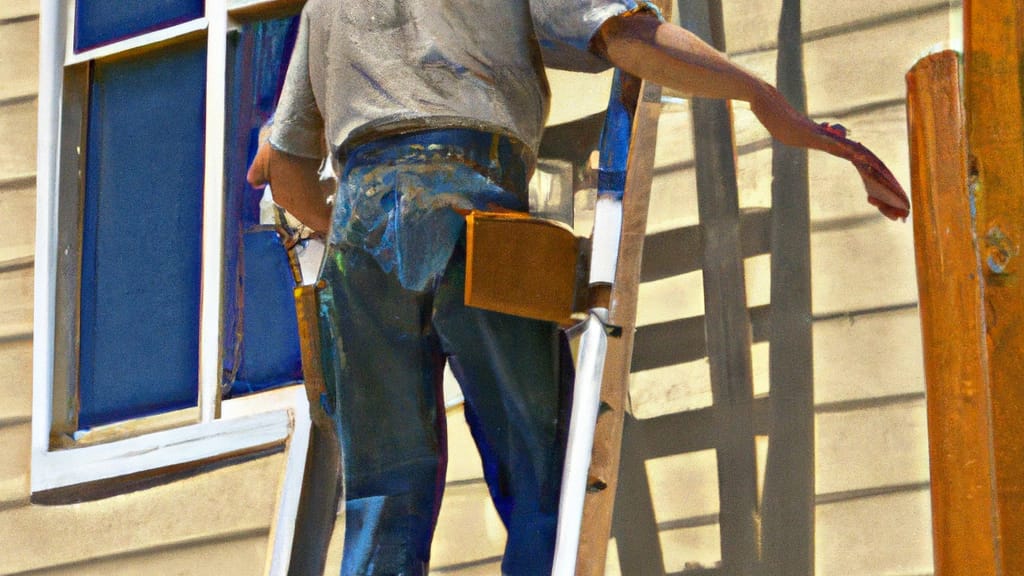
(393, 314)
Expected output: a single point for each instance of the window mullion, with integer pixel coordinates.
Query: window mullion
(213, 209)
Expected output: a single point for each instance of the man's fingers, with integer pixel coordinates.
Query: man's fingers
(892, 202)
(880, 183)
(886, 210)
(884, 186)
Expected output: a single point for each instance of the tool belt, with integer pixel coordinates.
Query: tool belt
(521, 265)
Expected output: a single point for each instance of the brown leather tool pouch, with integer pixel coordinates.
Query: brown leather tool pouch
(521, 265)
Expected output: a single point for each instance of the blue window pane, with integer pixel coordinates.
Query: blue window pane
(99, 22)
(258, 294)
(142, 231)
(270, 338)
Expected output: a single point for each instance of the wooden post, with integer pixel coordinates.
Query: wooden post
(993, 56)
(949, 275)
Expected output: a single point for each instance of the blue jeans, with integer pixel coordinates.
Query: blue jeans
(399, 197)
(385, 345)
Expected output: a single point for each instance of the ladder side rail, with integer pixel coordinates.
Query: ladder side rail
(605, 462)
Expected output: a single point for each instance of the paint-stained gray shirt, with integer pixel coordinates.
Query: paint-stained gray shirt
(379, 66)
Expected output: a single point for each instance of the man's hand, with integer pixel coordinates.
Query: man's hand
(673, 57)
(794, 129)
(296, 184)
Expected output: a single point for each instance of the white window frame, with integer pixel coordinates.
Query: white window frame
(278, 417)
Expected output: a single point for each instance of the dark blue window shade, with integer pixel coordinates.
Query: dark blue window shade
(142, 232)
(99, 22)
(270, 354)
(260, 342)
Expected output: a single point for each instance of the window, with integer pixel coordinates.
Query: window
(165, 324)
(257, 353)
(141, 234)
(99, 22)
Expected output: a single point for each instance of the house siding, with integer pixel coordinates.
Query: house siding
(871, 455)
(872, 476)
(217, 522)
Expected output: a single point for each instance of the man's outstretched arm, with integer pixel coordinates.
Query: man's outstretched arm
(671, 56)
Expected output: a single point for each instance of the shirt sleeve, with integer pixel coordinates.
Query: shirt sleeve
(565, 27)
(298, 125)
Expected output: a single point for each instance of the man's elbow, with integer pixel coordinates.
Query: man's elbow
(621, 37)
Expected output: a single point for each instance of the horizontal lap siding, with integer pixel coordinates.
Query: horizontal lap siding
(18, 216)
(872, 512)
(19, 39)
(213, 523)
(19, 44)
(871, 452)
(227, 505)
(223, 556)
(16, 9)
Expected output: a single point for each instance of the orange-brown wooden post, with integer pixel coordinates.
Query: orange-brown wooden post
(969, 220)
(966, 530)
(993, 56)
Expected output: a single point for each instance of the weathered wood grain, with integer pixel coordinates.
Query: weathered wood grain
(993, 56)
(604, 467)
(950, 282)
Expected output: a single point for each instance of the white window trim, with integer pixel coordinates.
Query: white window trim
(213, 211)
(277, 417)
(149, 38)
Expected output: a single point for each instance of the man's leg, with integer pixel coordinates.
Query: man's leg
(515, 385)
(384, 366)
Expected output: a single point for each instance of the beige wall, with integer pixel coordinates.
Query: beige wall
(873, 507)
(871, 449)
(215, 523)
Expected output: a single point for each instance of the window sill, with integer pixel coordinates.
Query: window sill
(249, 426)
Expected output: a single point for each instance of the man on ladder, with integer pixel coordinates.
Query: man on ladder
(434, 108)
